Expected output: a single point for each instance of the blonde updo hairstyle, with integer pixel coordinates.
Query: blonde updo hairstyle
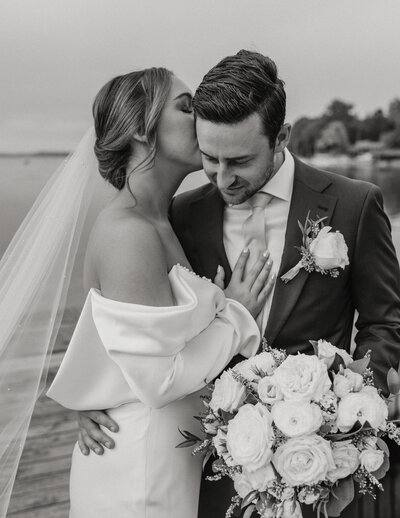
(127, 105)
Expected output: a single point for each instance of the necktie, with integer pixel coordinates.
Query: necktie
(254, 227)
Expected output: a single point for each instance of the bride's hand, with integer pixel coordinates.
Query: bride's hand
(253, 288)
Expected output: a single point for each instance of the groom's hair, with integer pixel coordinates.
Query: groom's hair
(239, 86)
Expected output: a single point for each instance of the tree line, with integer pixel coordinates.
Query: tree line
(338, 130)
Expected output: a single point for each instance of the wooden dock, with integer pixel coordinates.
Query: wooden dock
(41, 487)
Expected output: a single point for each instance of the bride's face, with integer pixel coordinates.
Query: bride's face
(176, 135)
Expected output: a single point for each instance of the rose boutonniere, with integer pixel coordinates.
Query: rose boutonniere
(322, 251)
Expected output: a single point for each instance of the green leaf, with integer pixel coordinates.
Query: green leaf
(383, 446)
(341, 496)
(382, 470)
(393, 381)
(337, 363)
(359, 366)
(226, 416)
(314, 343)
(248, 499)
(249, 511)
(206, 458)
(186, 444)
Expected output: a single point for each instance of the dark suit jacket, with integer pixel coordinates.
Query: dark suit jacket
(311, 306)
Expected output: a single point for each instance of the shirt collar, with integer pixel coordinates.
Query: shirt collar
(281, 184)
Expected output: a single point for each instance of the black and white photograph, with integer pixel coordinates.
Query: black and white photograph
(199, 259)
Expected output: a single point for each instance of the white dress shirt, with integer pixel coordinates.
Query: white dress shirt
(280, 187)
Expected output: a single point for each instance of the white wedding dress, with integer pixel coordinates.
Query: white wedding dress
(146, 365)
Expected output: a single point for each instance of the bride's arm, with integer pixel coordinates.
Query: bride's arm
(151, 347)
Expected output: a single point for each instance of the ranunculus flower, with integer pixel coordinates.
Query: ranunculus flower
(219, 442)
(258, 480)
(308, 496)
(228, 394)
(327, 352)
(346, 458)
(294, 418)
(329, 249)
(328, 404)
(346, 382)
(289, 509)
(250, 437)
(371, 460)
(302, 377)
(304, 460)
(268, 392)
(264, 362)
(362, 406)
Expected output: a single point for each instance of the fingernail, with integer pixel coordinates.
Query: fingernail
(273, 276)
(113, 429)
(266, 254)
(85, 452)
(98, 451)
(245, 250)
(269, 262)
(107, 445)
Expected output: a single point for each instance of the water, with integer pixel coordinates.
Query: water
(21, 179)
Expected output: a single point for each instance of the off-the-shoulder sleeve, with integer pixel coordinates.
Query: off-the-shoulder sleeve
(167, 353)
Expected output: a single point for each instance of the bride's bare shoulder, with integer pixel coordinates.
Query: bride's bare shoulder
(127, 256)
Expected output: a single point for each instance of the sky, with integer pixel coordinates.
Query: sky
(56, 54)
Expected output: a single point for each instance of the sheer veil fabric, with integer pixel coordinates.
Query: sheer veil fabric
(34, 277)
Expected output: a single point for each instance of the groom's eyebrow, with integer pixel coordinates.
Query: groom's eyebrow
(242, 157)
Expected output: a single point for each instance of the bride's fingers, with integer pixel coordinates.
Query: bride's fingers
(267, 288)
(220, 278)
(258, 268)
(262, 278)
(100, 417)
(238, 270)
(82, 446)
(91, 443)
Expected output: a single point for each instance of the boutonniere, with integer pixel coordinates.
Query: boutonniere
(322, 251)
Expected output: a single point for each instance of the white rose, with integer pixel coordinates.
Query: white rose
(304, 460)
(258, 480)
(263, 362)
(371, 460)
(302, 377)
(268, 392)
(228, 394)
(329, 249)
(362, 406)
(250, 437)
(327, 352)
(347, 381)
(294, 418)
(346, 458)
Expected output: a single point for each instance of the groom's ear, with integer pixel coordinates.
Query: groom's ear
(282, 140)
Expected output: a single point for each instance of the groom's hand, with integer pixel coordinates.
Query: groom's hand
(91, 436)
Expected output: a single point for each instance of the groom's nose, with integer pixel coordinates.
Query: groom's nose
(224, 176)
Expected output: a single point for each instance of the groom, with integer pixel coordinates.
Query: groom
(240, 122)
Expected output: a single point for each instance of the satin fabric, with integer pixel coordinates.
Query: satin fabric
(147, 366)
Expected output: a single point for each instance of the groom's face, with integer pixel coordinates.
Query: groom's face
(237, 158)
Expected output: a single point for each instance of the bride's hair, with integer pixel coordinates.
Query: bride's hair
(128, 104)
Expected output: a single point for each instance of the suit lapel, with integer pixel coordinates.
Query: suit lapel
(207, 215)
(307, 197)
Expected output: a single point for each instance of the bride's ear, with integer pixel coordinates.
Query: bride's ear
(140, 138)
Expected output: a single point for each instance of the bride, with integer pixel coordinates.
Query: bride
(151, 334)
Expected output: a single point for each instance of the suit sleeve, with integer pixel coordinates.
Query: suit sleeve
(376, 289)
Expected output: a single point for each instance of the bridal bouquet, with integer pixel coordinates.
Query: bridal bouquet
(297, 429)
